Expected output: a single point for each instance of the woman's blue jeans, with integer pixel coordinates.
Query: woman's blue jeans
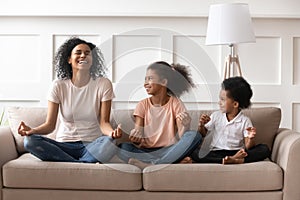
(165, 155)
(100, 150)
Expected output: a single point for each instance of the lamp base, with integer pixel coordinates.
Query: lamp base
(230, 71)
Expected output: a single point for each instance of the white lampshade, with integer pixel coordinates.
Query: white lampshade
(229, 24)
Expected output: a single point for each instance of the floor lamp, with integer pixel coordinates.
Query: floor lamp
(230, 24)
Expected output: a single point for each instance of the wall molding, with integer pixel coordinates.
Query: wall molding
(271, 65)
(139, 8)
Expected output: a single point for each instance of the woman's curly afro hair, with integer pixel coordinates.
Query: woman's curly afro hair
(64, 69)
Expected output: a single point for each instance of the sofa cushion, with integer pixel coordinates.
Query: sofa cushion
(29, 172)
(259, 176)
(267, 121)
(32, 116)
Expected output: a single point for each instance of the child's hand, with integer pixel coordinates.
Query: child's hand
(24, 130)
(136, 136)
(204, 119)
(185, 118)
(117, 133)
(251, 132)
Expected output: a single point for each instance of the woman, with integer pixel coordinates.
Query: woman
(82, 97)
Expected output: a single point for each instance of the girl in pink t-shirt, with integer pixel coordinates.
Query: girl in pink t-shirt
(161, 133)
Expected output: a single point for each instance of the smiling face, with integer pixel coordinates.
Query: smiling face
(227, 105)
(81, 57)
(153, 83)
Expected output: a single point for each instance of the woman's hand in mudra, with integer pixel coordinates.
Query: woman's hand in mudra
(25, 130)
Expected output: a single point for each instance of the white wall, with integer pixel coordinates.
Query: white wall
(265, 8)
(135, 33)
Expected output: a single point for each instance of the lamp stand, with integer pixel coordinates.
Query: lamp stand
(229, 64)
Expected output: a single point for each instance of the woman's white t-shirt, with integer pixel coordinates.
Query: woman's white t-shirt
(79, 108)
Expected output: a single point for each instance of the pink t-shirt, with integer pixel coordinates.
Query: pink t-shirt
(159, 122)
(79, 108)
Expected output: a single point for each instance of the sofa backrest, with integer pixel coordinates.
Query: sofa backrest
(32, 116)
(266, 120)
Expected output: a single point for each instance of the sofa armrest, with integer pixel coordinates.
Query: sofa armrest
(285, 153)
(8, 149)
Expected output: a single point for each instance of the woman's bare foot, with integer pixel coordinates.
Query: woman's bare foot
(232, 160)
(186, 160)
(138, 163)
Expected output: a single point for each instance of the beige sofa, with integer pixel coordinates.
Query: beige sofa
(25, 177)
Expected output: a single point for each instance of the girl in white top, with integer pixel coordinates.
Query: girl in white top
(161, 133)
(233, 135)
(82, 98)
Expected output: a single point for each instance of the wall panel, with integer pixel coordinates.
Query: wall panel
(261, 58)
(25, 50)
(129, 44)
(296, 116)
(296, 60)
(132, 52)
(20, 68)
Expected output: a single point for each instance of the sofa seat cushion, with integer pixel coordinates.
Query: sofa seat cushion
(259, 176)
(29, 172)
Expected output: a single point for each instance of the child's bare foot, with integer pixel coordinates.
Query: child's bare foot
(138, 163)
(186, 160)
(232, 160)
(240, 154)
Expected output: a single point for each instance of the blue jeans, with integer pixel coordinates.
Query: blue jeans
(100, 150)
(164, 155)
